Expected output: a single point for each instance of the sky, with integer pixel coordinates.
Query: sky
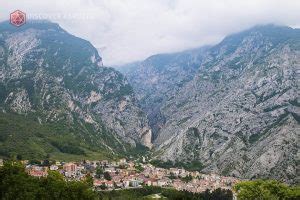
(125, 31)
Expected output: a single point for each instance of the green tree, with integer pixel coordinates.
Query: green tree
(34, 162)
(99, 172)
(107, 176)
(103, 186)
(265, 190)
(16, 184)
(89, 180)
(172, 176)
(19, 157)
(46, 163)
(139, 168)
(187, 178)
(221, 194)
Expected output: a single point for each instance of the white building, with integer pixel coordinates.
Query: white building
(54, 167)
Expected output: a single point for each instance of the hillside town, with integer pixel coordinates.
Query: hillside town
(123, 174)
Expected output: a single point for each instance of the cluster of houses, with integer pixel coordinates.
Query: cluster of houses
(127, 174)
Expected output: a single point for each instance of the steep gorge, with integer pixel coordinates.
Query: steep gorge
(233, 106)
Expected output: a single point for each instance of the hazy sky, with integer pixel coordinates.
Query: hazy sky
(128, 30)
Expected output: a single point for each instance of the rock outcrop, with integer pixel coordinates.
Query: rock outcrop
(58, 78)
(238, 110)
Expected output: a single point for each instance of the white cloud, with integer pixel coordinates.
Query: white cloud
(129, 30)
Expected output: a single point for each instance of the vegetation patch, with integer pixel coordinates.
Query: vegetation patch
(17, 184)
(191, 166)
(147, 193)
(266, 189)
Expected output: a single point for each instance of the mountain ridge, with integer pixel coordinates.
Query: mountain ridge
(236, 102)
(59, 78)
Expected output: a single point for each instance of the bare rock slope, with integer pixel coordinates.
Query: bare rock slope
(53, 77)
(239, 113)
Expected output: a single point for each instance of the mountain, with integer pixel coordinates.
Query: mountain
(234, 106)
(57, 99)
(159, 78)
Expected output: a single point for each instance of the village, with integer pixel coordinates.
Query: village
(123, 174)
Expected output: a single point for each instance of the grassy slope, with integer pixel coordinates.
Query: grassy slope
(22, 135)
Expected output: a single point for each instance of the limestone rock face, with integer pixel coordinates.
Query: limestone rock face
(159, 78)
(235, 109)
(57, 77)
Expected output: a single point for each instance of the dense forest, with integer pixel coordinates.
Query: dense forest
(265, 190)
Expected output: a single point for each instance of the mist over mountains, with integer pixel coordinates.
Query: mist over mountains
(233, 106)
(57, 82)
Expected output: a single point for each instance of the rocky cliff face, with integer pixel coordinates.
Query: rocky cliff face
(239, 113)
(58, 78)
(159, 78)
